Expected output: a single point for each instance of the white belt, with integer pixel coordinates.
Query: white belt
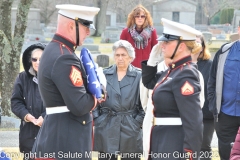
(58, 109)
(167, 121)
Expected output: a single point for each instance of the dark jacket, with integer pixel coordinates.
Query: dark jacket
(175, 95)
(26, 99)
(119, 119)
(141, 54)
(204, 67)
(63, 82)
(215, 81)
(235, 153)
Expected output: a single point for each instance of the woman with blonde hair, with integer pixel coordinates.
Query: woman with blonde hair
(140, 33)
(202, 59)
(177, 130)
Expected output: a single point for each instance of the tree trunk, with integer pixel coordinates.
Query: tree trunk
(11, 49)
(47, 9)
(5, 18)
(101, 16)
(5, 49)
(6, 85)
(20, 27)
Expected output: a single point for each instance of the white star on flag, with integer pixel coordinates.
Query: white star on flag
(90, 64)
(96, 83)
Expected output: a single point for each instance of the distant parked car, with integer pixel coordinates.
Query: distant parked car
(111, 35)
(35, 37)
(221, 36)
(207, 37)
(48, 36)
(30, 39)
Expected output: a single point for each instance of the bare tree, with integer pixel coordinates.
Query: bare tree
(124, 7)
(212, 7)
(47, 9)
(101, 16)
(10, 47)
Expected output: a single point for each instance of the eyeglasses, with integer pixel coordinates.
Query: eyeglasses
(142, 16)
(35, 59)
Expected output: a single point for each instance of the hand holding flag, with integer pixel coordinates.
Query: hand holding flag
(95, 76)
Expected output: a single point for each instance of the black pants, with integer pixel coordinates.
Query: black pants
(208, 129)
(27, 158)
(109, 156)
(226, 129)
(27, 155)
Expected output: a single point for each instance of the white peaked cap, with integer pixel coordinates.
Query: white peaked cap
(77, 11)
(174, 31)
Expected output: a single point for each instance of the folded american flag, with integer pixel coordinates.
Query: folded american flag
(92, 78)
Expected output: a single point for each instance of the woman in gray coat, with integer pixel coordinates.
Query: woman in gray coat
(118, 120)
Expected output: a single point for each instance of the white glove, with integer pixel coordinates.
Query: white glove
(155, 55)
(101, 76)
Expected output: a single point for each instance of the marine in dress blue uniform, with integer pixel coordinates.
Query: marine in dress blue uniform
(67, 129)
(177, 130)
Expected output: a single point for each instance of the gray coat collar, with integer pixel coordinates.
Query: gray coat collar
(113, 69)
(112, 78)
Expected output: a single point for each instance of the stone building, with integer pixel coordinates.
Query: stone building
(236, 20)
(182, 11)
(33, 24)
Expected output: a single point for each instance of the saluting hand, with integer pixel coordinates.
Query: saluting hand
(155, 55)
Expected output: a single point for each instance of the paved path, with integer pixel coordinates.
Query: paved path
(10, 139)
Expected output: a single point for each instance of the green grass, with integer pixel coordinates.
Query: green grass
(96, 40)
(9, 129)
(104, 48)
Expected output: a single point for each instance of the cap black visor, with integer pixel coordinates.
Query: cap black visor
(85, 23)
(168, 37)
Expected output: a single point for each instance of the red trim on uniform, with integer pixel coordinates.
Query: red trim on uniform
(92, 131)
(187, 63)
(190, 152)
(66, 38)
(159, 84)
(149, 149)
(154, 107)
(69, 49)
(44, 159)
(61, 48)
(95, 103)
